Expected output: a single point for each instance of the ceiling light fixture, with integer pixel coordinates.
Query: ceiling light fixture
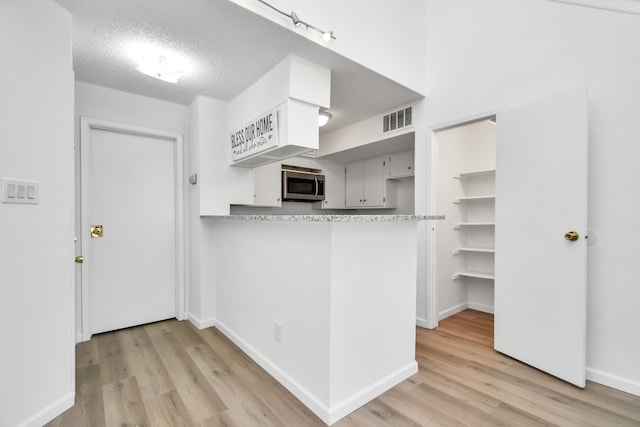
(327, 36)
(295, 19)
(157, 66)
(323, 118)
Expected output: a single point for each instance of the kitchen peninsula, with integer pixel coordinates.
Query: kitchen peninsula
(324, 303)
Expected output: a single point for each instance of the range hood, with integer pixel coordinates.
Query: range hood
(277, 117)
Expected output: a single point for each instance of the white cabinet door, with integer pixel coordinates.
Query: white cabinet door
(268, 185)
(354, 183)
(400, 165)
(366, 186)
(373, 182)
(334, 186)
(541, 194)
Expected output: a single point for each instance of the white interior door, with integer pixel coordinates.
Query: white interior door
(129, 188)
(541, 194)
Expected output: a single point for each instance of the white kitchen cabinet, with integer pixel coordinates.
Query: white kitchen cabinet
(399, 165)
(366, 186)
(334, 187)
(268, 185)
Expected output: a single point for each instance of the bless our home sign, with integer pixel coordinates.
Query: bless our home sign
(255, 137)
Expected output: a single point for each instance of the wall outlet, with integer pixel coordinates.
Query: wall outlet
(277, 331)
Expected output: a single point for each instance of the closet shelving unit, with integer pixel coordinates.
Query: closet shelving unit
(476, 229)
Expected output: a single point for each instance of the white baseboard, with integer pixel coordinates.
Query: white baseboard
(50, 412)
(462, 307)
(327, 414)
(306, 397)
(338, 411)
(481, 307)
(423, 323)
(453, 310)
(199, 323)
(613, 381)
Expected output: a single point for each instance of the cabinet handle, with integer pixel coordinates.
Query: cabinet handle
(409, 168)
(278, 199)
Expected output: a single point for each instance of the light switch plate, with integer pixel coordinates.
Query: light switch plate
(19, 191)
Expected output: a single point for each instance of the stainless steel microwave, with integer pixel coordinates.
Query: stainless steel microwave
(302, 186)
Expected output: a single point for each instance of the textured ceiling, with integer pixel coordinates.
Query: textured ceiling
(226, 49)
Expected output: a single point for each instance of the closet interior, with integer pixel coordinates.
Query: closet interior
(465, 195)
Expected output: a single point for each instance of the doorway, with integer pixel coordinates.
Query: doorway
(539, 218)
(132, 230)
(465, 166)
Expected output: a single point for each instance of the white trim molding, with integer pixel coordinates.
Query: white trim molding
(481, 307)
(200, 323)
(625, 6)
(614, 381)
(452, 310)
(328, 414)
(50, 412)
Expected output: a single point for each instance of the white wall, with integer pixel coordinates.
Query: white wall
(363, 132)
(484, 55)
(113, 105)
(257, 285)
(348, 324)
(373, 275)
(209, 159)
(387, 37)
(36, 241)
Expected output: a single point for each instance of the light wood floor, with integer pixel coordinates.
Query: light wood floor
(171, 374)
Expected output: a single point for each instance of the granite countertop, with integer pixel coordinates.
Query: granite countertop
(319, 218)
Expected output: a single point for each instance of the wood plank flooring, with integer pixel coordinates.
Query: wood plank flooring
(171, 374)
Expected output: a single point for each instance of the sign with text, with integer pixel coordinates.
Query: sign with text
(255, 137)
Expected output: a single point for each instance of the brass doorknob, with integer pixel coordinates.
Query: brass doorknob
(96, 231)
(571, 236)
(80, 259)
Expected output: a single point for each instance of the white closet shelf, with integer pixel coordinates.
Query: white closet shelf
(472, 198)
(475, 173)
(456, 251)
(474, 274)
(473, 224)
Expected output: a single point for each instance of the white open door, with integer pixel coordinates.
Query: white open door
(541, 195)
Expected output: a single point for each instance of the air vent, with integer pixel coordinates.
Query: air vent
(397, 120)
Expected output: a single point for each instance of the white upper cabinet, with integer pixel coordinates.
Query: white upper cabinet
(399, 165)
(354, 184)
(267, 185)
(366, 186)
(334, 187)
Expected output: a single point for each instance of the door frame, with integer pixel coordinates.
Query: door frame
(87, 124)
(431, 287)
